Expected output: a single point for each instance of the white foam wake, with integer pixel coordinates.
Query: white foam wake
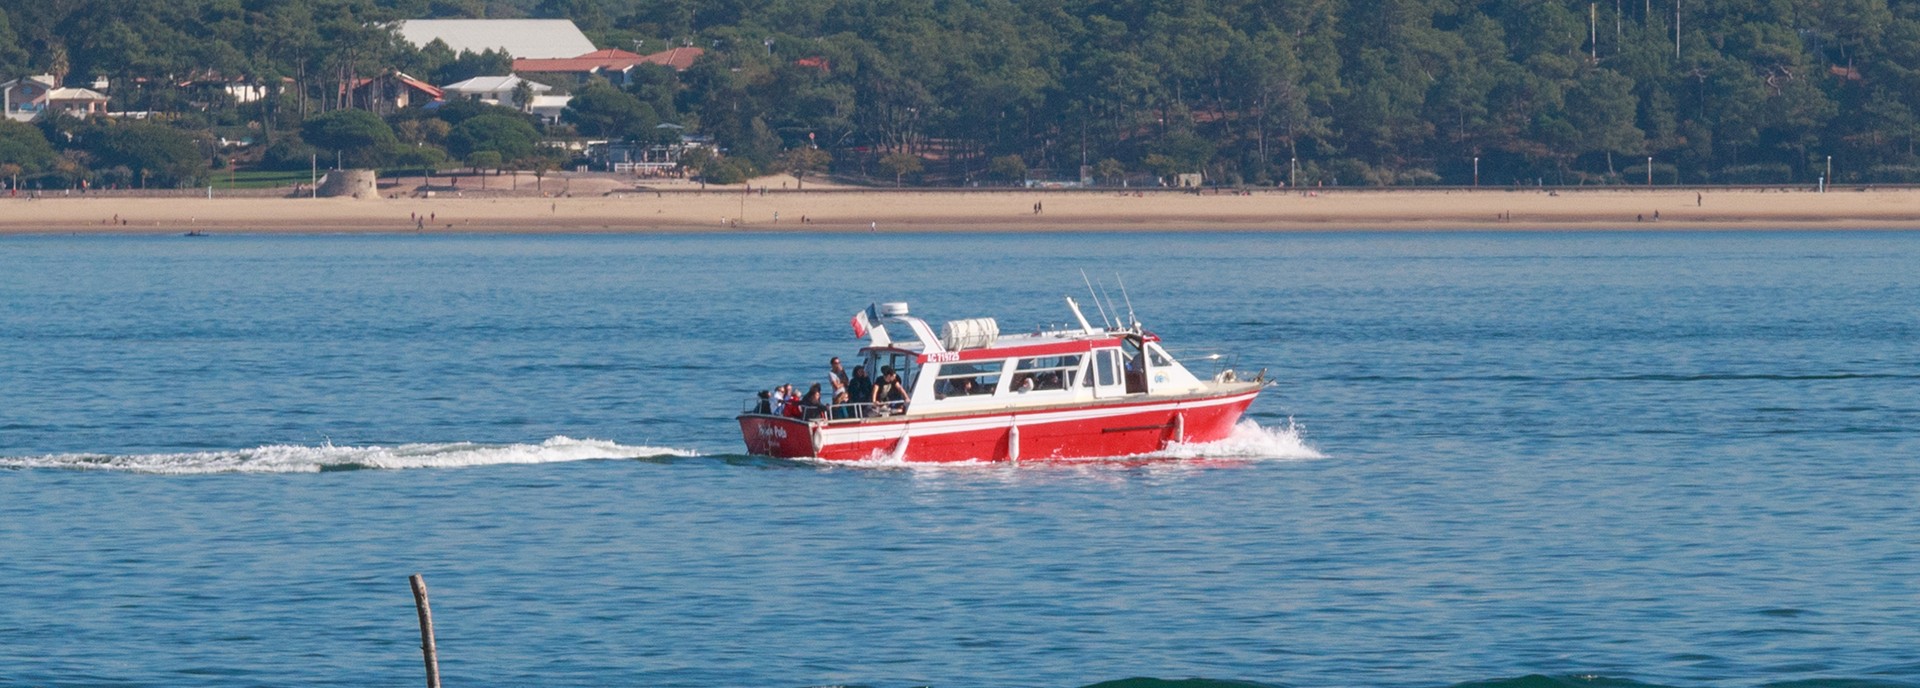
(288, 458)
(1249, 440)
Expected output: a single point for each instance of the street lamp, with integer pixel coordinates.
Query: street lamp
(1649, 170)
(769, 44)
(1476, 170)
(1829, 176)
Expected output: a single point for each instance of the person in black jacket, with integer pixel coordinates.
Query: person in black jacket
(859, 392)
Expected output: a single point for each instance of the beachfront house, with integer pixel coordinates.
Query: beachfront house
(26, 96)
(497, 90)
(392, 91)
(525, 38)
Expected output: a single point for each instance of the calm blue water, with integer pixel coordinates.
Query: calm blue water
(1677, 459)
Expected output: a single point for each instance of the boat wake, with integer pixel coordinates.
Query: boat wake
(287, 458)
(1248, 442)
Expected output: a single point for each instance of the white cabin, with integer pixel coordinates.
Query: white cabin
(973, 367)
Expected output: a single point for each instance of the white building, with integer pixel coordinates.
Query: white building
(548, 108)
(495, 90)
(536, 38)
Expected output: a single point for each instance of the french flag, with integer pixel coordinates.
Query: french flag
(863, 321)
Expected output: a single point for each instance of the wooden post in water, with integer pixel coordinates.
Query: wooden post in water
(426, 630)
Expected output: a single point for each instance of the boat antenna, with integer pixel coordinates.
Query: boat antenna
(1116, 311)
(1135, 322)
(1104, 322)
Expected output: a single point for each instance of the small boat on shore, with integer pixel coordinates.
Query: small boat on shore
(974, 394)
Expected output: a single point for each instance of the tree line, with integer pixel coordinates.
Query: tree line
(1336, 92)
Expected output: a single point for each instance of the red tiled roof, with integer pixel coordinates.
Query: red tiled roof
(411, 82)
(611, 59)
(609, 54)
(678, 58)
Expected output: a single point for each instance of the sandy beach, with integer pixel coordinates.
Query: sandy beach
(586, 207)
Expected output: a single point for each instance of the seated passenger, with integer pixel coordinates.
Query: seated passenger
(859, 394)
(1023, 382)
(810, 406)
(782, 398)
(795, 408)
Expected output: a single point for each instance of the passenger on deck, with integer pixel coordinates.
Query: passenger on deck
(1023, 382)
(837, 377)
(859, 393)
(782, 397)
(796, 407)
(810, 406)
(888, 391)
(765, 407)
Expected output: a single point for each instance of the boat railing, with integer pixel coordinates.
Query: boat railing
(833, 412)
(856, 411)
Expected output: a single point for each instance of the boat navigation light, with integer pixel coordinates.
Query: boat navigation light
(894, 309)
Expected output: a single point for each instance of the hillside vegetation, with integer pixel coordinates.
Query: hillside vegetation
(1350, 92)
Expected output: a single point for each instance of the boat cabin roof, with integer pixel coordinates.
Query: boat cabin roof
(926, 347)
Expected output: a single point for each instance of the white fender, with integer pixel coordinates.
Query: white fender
(1013, 442)
(900, 448)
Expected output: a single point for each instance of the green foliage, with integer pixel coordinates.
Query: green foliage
(510, 136)
(1008, 167)
(457, 111)
(901, 164)
(729, 171)
(419, 157)
(360, 138)
(601, 110)
(289, 154)
(803, 161)
(485, 160)
(157, 155)
(1375, 92)
(23, 146)
(469, 64)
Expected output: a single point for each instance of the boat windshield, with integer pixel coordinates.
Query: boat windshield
(902, 363)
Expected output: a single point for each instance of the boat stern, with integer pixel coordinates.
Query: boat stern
(777, 436)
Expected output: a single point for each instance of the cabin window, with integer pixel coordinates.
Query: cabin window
(974, 378)
(1104, 368)
(1046, 372)
(1158, 357)
(902, 363)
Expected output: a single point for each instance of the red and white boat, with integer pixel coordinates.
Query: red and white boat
(974, 394)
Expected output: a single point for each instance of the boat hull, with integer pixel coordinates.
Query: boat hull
(1125, 427)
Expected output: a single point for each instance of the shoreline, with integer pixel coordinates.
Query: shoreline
(841, 210)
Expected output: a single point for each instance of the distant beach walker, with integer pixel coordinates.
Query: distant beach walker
(973, 394)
